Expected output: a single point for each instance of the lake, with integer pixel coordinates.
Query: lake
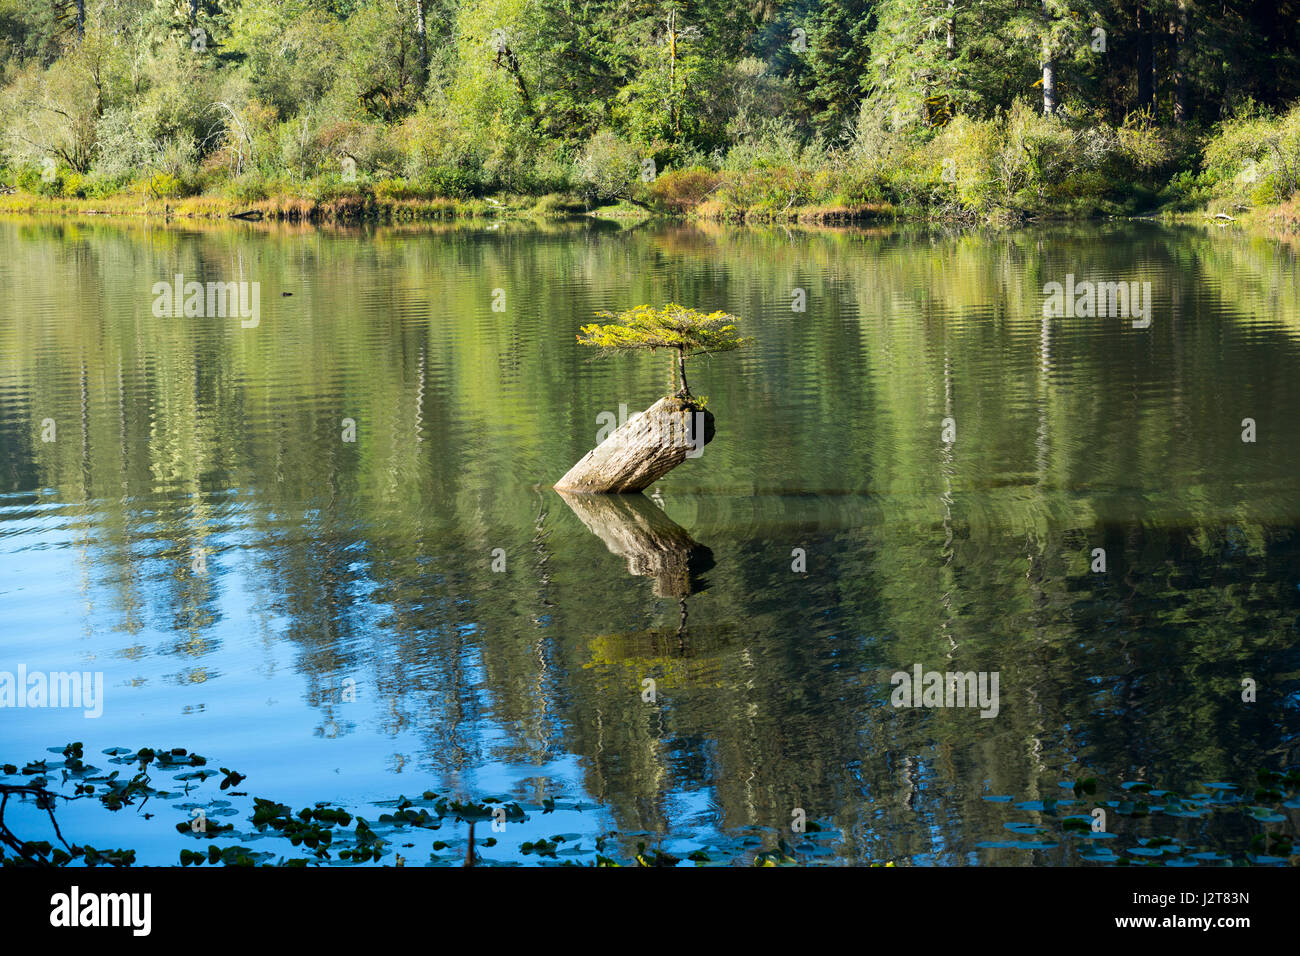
(319, 545)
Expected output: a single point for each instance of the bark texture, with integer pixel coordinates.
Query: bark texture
(641, 450)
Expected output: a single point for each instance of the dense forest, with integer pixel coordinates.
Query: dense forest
(726, 108)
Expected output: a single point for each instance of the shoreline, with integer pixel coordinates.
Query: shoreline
(364, 208)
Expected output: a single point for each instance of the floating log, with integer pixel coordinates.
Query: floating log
(653, 544)
(643, 449)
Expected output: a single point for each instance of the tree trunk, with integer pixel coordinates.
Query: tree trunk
(642, 450)
(1145, 60)
(512, 64)
(952, 28)
(1178, 39)
(674, 115)
(420, 33)
(1049, 67)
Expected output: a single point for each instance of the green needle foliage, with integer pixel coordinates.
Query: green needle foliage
(687, 331)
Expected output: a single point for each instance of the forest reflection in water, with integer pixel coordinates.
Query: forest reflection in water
(826, 540)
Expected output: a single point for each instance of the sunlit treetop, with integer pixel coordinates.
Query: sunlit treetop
(687, 331)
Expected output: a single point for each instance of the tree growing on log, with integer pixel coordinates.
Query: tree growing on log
(686, 331)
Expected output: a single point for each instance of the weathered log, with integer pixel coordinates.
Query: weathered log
(653, 544)
(643, 449)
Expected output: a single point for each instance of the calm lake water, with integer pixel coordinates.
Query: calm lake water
(334, 619)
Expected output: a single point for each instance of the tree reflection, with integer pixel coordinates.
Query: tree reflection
(653, 544)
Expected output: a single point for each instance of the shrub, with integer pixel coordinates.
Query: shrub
(969, 152)
(326, 188)
(450, 182)
(1253, 158)
(608, 168)
(551, 172)
(164, 185)
(559, 205)
(1236, 154)
(1187, 190)
(30, 179)
(395, 189)
(767, 191)
(1284, 155)
(73, 186)
(680, 190)
(250, 187)
(101, 187)
(776, 144)
(878, 141)
(1143, 145)
(1038, 152)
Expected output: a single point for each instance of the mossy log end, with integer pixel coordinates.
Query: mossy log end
(643, 449)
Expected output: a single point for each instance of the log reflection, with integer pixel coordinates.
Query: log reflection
(653, 544)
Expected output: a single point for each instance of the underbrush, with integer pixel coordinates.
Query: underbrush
(1017, 165)
(1014, 166)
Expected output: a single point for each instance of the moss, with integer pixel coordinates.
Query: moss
(687, 403)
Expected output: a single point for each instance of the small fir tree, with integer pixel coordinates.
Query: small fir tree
(684, 330)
